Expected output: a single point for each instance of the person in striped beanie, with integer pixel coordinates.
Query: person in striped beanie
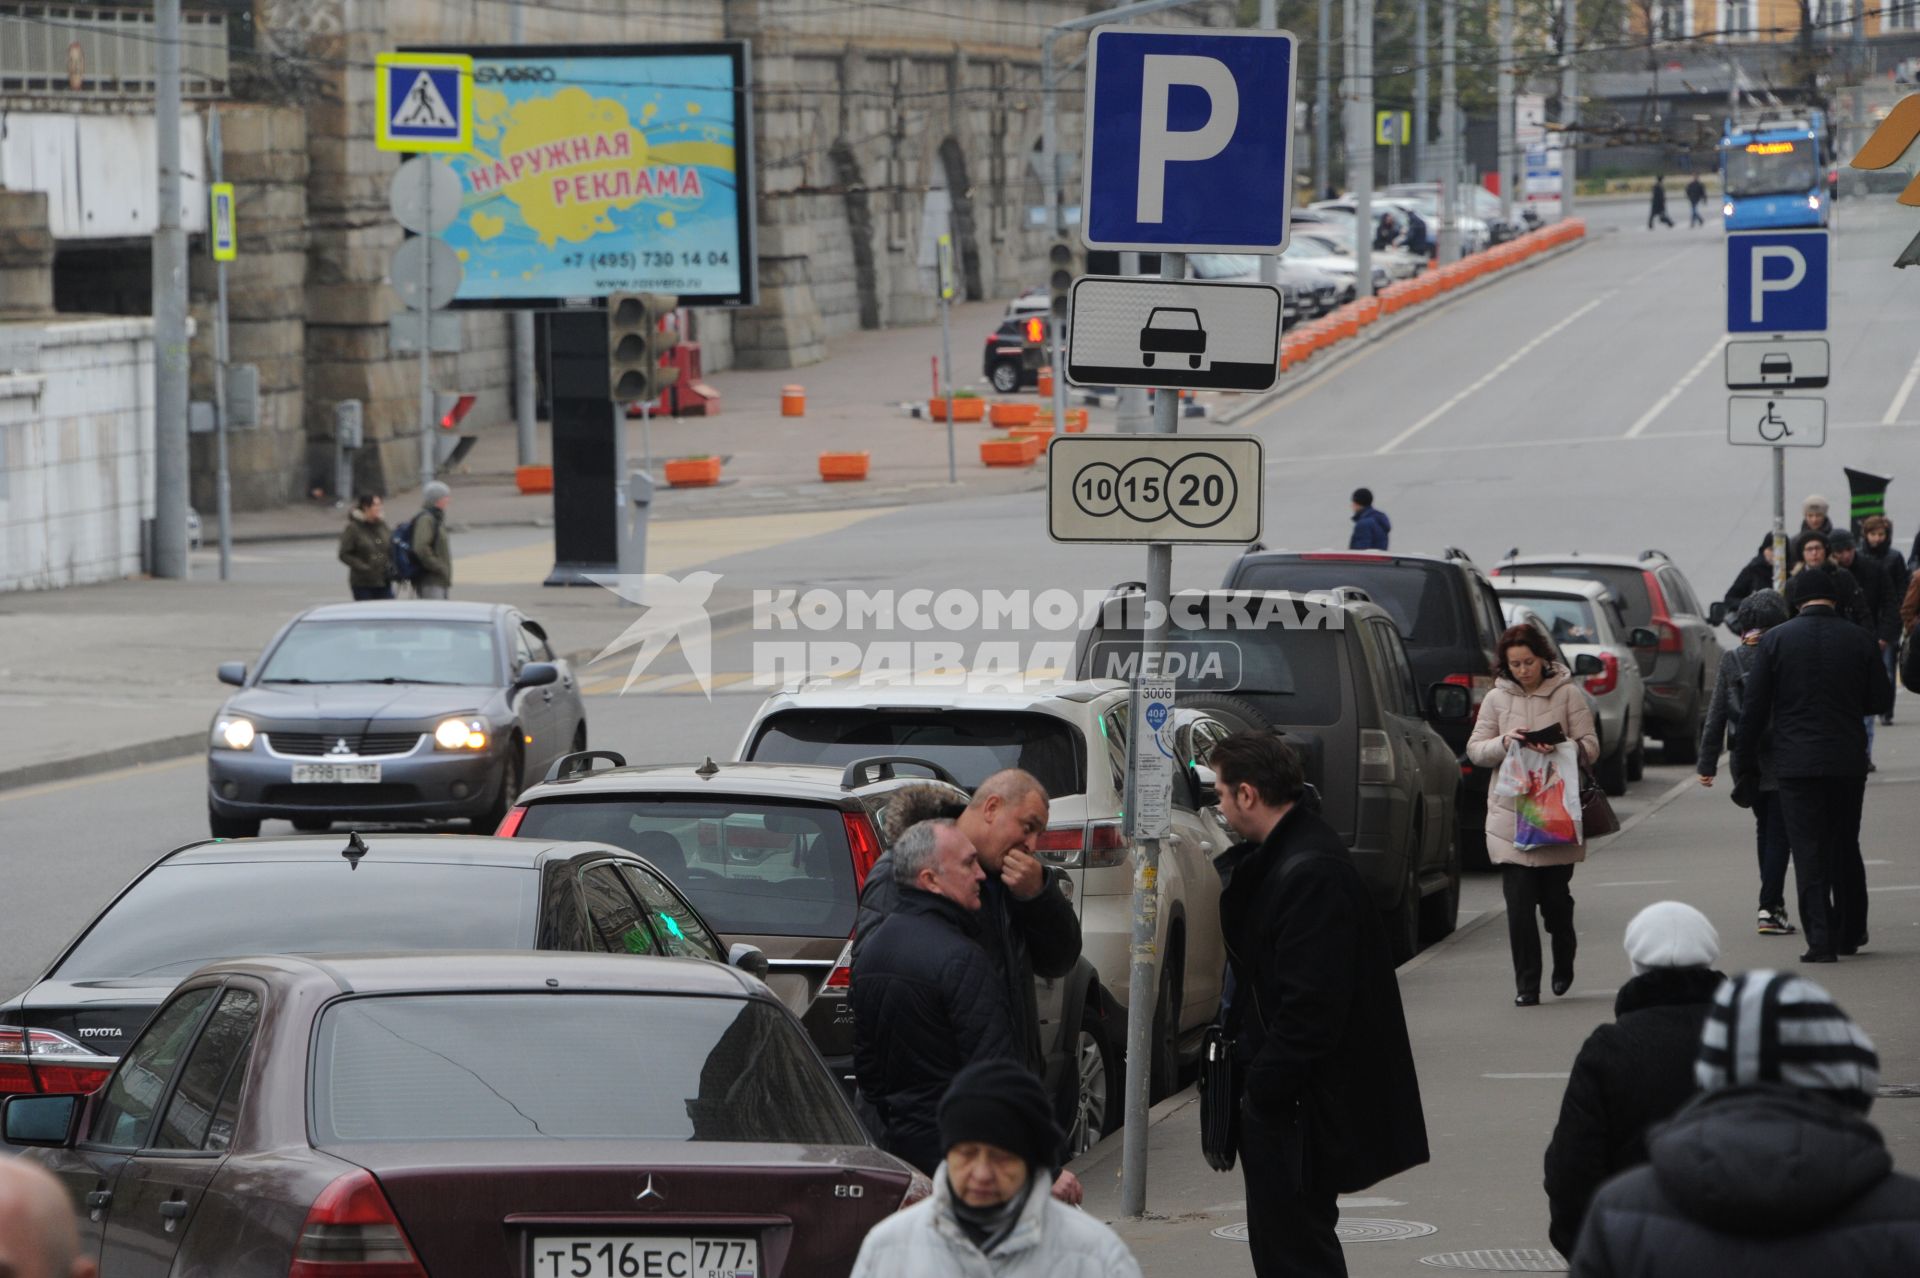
(1774, 1168)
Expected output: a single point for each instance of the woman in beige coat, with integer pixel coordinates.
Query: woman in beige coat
(1531, 692)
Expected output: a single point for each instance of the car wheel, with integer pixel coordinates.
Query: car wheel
(489, 821)
(1440, 913)
(1094, 1063)
(1005, 378)
(1684, 745)
(1612, 772)
(1193, 361)
(1146, 357)
(1165, 1066)
(313, 825)
(580, 737)
(222, 827)
(1403, 920)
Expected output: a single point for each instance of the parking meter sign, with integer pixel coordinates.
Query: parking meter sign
(1150, 776)
(1194, 489)
(1176, 333)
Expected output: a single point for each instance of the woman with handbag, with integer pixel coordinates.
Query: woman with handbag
(1532, 695)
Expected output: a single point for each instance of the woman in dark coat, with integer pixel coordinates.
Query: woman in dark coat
(1637, 1071)
(1756, 787)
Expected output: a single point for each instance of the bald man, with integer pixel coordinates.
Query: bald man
(38, 1236)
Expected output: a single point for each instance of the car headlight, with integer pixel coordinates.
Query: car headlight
(461, 733)
(1726, 210)
(232, 734)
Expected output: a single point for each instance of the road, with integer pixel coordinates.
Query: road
(1577, 404)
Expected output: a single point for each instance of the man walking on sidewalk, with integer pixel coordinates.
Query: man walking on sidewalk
(1332, 1103)
(1813, 682)
(432, 547)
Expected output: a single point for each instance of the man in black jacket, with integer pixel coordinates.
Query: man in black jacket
(1815, 552)
(926, 999)
(1637, 1071)
(1813, 683)
(1775, 1170)
(1757, 575)
(1332, 1102)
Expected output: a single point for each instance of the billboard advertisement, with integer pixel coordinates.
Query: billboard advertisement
(600, 169)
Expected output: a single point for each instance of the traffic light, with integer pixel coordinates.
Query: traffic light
(634, 345)
(1062, 265)
(1036, 330)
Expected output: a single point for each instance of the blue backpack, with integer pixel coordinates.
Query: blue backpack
(405, 566)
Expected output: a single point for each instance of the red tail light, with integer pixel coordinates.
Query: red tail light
(1607, 680)
(351, 1232)
(865, 844)
(1097, 845)
(42, 1060)
(1477, 686)
(510, 823)
(919, 1189)
(1670, 638)
(840, 979)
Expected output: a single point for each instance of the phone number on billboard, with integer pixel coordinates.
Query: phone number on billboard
(630, 261)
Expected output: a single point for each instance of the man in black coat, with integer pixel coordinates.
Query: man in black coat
(1757, 575)
(1813, 683)
(926, 999)
(1775, 1169)
(1637, 1071)
(1815, 552)
(1332, 1102)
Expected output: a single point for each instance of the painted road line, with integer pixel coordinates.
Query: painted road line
(1559, 1075)
(1660, 406)
(1639, 883)
(1906, 389)
(1486, 380)
(1897, 887)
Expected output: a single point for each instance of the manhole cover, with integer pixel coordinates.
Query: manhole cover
(1351, 1231)
(1505, 1260)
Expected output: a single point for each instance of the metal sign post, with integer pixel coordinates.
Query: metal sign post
(946, 347)
(426, 345)
(223, 241)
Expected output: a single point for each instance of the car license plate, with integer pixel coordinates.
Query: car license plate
(645, 1256)
(325, 773)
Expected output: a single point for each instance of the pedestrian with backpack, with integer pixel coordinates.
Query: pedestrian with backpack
(430, 545)
(366, 548)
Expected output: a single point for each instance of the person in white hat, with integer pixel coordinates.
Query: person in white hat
(1637, 1071)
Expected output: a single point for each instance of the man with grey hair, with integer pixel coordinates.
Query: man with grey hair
(432, 547)
(38, 1234)
(927, 1001)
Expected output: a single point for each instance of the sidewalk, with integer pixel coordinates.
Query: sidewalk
(1491, 1075)
(853, 403)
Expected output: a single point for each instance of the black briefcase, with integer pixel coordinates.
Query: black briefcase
(1219, 1086)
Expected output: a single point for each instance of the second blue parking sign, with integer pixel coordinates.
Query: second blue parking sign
(1188, 140)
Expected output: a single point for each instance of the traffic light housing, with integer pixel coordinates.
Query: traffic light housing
(634, 346)
(1062, 266)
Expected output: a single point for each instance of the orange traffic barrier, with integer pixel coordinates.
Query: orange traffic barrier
(1045, 388)
(840, 467)
(793, 401)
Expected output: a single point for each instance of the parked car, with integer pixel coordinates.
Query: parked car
(1342, 266)
(473, 1114)
(1397, 262)
(1653, 594)
(1072, 737)
(308, 894)
(399, 711)
(1332, 676)
(1305, 293)
(1449, 620)
(775, 855)
(1016, 350)
(1586, 621)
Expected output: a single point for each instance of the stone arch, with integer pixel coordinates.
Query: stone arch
(960, 201)
(853, 185)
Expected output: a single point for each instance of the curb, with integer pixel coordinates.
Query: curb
(176, 747)
(1381, 330)
(1109, 1145)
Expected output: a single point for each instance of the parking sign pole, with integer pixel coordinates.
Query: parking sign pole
(1779, 519)
(1141, 985)
(223, 480)
(427, 441)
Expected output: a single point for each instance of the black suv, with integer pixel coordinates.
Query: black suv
(775, 855)
(1329, 672)
(1015, 352)
(1653, 593)
(1449, 619)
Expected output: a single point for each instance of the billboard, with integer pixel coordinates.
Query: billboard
(600, 169)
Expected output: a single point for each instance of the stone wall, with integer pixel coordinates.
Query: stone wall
(76, 450)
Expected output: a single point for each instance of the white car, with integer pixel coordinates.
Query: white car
(1583, 620)
(1072, 735)
(1399, 264)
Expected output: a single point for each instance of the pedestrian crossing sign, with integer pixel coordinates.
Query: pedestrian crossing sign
(423, 102)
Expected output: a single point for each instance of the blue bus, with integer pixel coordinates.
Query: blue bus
(1773, 171)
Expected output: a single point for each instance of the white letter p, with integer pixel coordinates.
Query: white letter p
(1761, 285)
(1160, 145)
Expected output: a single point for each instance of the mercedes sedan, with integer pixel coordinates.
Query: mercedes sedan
(408, 711)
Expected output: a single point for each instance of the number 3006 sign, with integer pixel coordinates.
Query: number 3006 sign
(1154, 488)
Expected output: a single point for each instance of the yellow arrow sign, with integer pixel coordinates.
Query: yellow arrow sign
(1891, 140)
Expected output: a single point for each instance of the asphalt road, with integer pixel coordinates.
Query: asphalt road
(1575, 405)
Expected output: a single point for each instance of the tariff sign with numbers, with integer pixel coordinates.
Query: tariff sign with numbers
(1198, 489)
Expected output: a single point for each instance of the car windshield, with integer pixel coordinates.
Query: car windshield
(160, 927)
(750, 868)
(1305, 247)
(1772, 168)
(971, 745)
(1302, 666)
(381, 651)
(1628, 585)
(1222, 266)
(569, 1067)
(1414, 595)
(1569, 617)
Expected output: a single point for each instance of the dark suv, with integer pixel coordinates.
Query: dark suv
(775, 855)
(1449, 619)
(1015, 352)
(1653, 593)
(1329, 672)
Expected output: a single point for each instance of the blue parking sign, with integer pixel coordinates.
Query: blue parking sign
(1777, 281)
(1189, 139)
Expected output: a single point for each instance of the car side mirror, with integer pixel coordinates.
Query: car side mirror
(1586, 665)
(1641, 637)
(46, 1122)
(537, 674)
(233, 672)
(749, 959)
(1449, 701)
(1206, 785)
(1717, 612)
